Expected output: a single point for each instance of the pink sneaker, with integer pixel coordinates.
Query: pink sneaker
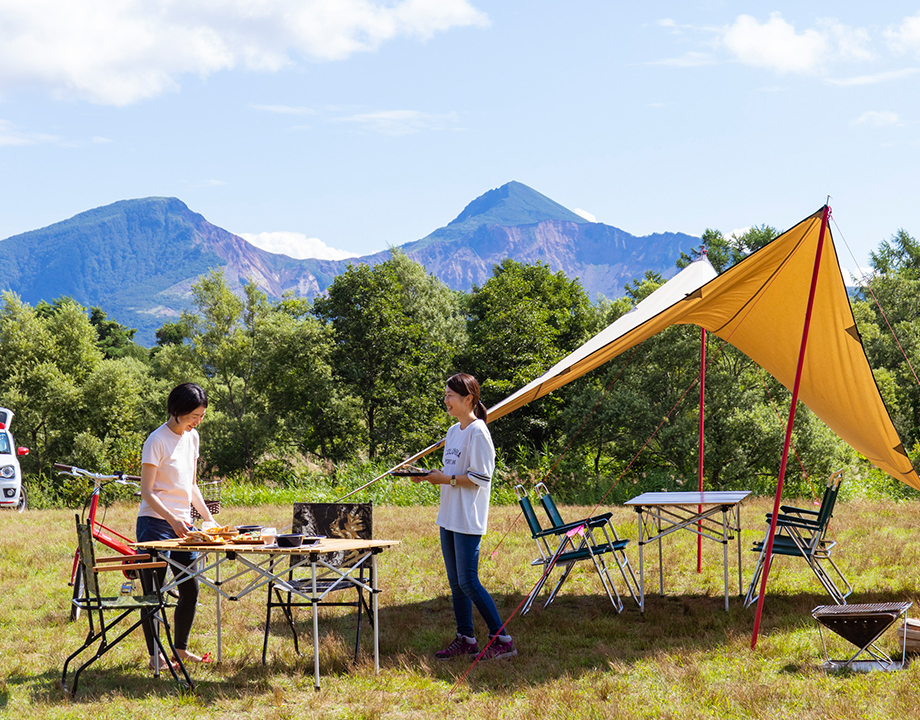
(457, 648)
(499, 649)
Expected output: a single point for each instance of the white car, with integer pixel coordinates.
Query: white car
(12, 492)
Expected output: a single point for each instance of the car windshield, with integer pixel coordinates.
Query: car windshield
(5, 444)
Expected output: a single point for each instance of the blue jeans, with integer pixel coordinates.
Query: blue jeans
(461, 558)
(150, 528)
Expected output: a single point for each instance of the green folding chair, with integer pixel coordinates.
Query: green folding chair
(801, 532)
(564, 544)
(112, 618)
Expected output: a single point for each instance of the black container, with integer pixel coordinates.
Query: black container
(289, 541)
(249, 528)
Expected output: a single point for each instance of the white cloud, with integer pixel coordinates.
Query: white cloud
(689, 59)
(295, 245)
(98, 140)
(119, 53)
(10, 135)
(905, 38)
(874, 118)
(776, 45)
(585, 214)
(401, 122)
(737, 232)
(284, 109)
(874, 79)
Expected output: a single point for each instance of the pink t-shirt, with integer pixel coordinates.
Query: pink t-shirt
(176, 459)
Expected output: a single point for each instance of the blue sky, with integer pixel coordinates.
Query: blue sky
(351, 125)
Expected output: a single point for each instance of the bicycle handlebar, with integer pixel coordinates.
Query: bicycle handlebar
(74, 471)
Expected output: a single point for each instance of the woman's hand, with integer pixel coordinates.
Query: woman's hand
(436, 477)
(179, 526)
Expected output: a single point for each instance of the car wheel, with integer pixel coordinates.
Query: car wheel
(22, 499)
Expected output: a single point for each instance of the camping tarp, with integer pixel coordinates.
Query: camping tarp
(758, 306)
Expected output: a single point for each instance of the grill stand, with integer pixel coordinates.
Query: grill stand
(862, 626)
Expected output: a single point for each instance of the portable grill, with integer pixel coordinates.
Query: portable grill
(862, 625)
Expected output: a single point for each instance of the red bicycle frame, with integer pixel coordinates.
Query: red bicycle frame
(107, 536)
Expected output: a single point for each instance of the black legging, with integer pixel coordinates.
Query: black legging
(186, 606)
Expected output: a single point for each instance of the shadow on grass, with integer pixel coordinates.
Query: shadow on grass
(576, 635)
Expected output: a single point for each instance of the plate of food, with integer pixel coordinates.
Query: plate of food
(410, 471)
(248, 538)
(198, 537)
(222, 533)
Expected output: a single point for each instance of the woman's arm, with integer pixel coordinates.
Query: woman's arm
(436, 477)
(148, 478)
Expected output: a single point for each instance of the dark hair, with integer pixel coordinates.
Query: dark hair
(464, 385)
(185, 398)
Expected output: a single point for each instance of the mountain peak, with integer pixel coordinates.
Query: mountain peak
(511, 205)
(514, 204)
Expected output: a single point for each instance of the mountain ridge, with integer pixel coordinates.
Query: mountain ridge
(138, 259)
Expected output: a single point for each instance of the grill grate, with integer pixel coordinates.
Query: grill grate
(860, 624)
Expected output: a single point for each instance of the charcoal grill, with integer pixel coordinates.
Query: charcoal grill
(862, 625)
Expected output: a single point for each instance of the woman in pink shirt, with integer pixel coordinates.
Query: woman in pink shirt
(169, 486)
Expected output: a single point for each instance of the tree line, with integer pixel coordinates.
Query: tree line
(359, 373)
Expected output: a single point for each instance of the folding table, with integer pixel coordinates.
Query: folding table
(260, 566)
(862, 625)
(662, 513)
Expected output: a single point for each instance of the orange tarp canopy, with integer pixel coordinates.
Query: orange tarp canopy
(759, 306)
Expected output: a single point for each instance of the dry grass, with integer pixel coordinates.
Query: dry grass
(685, 657)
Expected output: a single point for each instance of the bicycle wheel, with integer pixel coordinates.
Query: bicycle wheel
(77, 593)
(21, 505)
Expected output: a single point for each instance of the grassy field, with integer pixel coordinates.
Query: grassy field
(686, 657)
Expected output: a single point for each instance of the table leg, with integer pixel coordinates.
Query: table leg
(660, 555)
(738, 535)
(641, 563)
(374, 606)
(315, 627)
(217, 596)
(725, 512)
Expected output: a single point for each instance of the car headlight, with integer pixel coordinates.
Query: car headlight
(8, 472)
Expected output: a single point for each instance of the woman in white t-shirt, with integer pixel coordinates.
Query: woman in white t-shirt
(465, 480)
(169, 486)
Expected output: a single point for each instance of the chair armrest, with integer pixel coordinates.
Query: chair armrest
(561, 529)
(790, 509)
(136, 566)
(123, 559)
(792, 521)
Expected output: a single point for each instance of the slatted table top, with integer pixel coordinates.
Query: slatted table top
(323, 546)
(707, 497)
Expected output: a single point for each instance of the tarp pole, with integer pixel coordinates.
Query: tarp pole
(699, 537)
(768, 555)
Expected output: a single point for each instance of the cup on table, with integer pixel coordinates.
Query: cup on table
(268, 535)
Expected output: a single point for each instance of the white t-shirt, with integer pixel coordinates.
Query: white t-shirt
(467, 452)
(176, 459)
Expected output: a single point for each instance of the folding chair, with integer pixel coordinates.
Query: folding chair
(557, 547)
(332, 520)
(803, 533)
(101, 609)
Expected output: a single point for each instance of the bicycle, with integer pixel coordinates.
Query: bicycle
(107, 536)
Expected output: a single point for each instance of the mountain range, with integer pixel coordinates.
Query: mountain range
(137, 259)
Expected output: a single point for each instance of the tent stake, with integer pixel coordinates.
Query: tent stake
(768, 557)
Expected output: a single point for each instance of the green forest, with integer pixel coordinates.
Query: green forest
(306, 393)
